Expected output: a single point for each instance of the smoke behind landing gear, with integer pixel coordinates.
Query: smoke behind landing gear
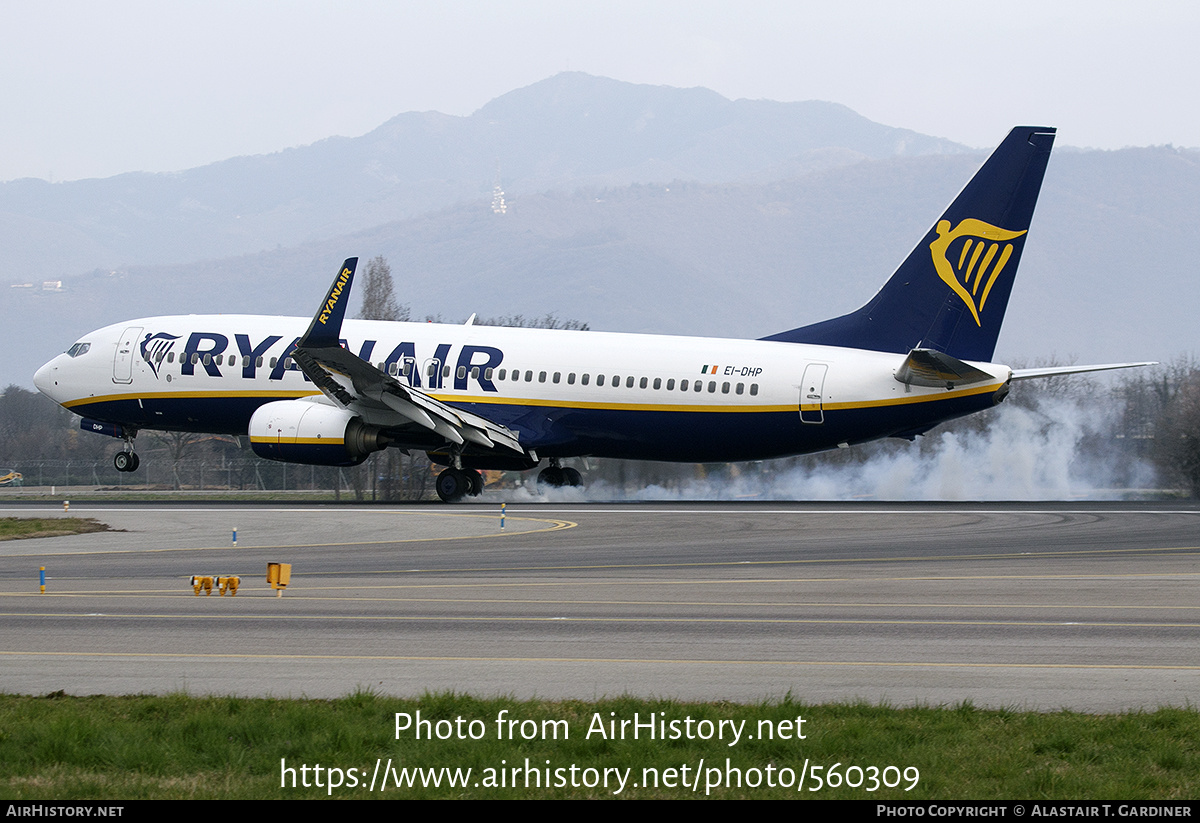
(1056, 449)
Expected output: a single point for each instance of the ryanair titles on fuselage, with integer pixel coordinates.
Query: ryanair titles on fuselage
(202, 349)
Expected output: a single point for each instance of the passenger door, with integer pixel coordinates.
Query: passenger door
(123, 360)
(812, 393)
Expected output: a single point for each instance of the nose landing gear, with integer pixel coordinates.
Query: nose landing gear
(127, 461)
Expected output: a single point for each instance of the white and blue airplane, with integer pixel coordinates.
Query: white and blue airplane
(331, 391)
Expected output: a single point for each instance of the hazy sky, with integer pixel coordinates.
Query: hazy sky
(97, 88)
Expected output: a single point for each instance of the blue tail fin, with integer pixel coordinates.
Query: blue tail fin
(951, 292)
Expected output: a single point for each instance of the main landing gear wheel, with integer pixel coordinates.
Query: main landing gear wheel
(126, 461)
(455, 484)
(476, 482)
(556, 477)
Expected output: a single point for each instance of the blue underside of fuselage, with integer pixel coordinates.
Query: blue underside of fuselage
(210, 415)
(679, 436)
(702, 437)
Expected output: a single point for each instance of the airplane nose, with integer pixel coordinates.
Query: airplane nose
(43, 378)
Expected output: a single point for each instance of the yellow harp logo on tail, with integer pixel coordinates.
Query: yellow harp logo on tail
(981, 257)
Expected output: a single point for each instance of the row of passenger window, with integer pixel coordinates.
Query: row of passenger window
(208, 359)
(657, 383)
(514, 375)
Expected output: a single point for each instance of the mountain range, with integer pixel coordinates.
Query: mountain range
(629, 207)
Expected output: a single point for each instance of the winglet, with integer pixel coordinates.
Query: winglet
(326, 327)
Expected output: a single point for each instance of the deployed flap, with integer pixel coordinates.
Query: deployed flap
(926, 367)
(320, 356)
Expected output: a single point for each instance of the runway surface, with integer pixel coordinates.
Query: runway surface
(1092, 607)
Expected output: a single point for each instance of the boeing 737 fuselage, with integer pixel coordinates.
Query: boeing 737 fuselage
(331, 391)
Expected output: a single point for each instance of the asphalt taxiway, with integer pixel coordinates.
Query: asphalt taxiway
(1084, 606)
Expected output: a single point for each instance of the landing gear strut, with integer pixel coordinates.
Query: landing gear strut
(455, 484)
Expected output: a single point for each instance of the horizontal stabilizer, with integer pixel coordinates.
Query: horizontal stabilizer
(926, 367)
(1053, 371)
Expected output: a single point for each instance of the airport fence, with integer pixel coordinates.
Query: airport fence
(374, 480)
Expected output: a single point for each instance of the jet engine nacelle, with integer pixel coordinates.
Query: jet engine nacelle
(298, 431)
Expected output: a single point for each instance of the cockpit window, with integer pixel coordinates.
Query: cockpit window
(78, 349)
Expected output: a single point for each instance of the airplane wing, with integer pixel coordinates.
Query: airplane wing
(1030, 374)
(350, 381)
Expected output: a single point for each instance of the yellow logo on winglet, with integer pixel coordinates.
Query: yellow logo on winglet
(334, 294)
(980, 260)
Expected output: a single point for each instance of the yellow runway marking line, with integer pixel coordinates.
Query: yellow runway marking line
(898, 509)
(173, 594)
(554, 526)
(753, 508)
(641, 619)
(754, 580)
(815, 561)
(604, 660)
(1181, 576)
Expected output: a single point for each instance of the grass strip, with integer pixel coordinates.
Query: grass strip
(181, 747)
(21, 528)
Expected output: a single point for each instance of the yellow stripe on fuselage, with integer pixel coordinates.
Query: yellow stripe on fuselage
(495, 400)
(188, 395)
(492, 400)
(910, 399)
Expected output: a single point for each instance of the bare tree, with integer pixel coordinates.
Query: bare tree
(520, 321)
(379, 293)
(383, 474)
(178, 445)
(1163, 408)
